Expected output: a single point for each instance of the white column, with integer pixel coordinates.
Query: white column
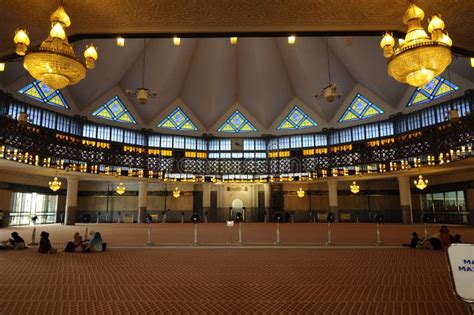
(332, 193)
(405, 199)
(142, 201)
(71, 200)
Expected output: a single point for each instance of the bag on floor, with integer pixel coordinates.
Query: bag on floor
(69, 247)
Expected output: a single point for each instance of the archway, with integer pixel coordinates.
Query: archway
(237, 206)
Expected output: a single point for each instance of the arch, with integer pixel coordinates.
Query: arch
(237, 204)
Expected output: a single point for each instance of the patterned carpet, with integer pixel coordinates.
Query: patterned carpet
(233, 280)
(207, 280)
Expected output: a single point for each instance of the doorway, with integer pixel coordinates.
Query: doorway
(237, 206)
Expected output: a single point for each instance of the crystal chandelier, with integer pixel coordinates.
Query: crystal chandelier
(176, 192)
(120, 189)
(355, 188)
(418, 58)
(54, 63)
(55, 185)
(300, 193)
(421, 183)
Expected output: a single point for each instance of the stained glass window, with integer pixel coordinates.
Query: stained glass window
(237, 123)
(296, 119)
(178, 120)
(434, 89)
(41, 92)
(115, 110)
(360, 108)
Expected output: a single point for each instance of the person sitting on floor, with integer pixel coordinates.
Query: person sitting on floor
(444, 237)
(76, 245)
(456, 239)
(15, 242)
(96, 244)
(414, 241)
(45, 245)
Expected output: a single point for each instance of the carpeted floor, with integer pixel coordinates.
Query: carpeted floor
(131, 279)
(212, 280)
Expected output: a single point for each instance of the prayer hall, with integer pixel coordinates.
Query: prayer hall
(237, 157)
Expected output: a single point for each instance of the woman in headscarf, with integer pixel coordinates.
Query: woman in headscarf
(45, 245)
(95, 244)
(78, 243)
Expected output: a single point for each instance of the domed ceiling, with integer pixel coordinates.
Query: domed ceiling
(263, 78)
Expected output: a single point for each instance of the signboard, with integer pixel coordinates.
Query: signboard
(230, 223)
(461, 265)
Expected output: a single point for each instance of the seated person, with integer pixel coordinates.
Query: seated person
(444, 237)
(96, 244)
(15, 242)
(414, 241)
(78, 243)
(456, 239)
(45, 245)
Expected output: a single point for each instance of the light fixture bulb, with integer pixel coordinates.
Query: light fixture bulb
(421, 183)
(60, 16)
(2, 66)
(176, 41)
(91, 56)
(291, 39)
(21, 41)
(120, 41)
(435, 24)
(233, 40)
(57, 31)
(472, 62)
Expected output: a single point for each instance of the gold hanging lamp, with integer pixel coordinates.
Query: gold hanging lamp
(120, 189)
(176, 192)
(418, 58)
(355, 188)
(54, 63)
(300, 193)
(55, 184)
(421, 183)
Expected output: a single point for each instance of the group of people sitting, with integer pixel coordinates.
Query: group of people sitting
(79, 245)
(15, 242)
(438, 241)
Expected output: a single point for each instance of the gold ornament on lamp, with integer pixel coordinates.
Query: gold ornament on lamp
(418, 58)
(176, 192)
(120, 189)
(300, 193)
(355, 188)
(421, 183)
(54, 63)
(55, 184)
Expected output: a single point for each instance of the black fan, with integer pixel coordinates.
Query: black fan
(86, 218)
(330, 217)
(195, 218)
(426, 217)
(379, 218)
(239, 217)
(278, 217)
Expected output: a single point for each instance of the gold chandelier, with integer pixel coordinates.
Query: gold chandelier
(355, 188)
(55, 184)
(418, 58)
(421, 183)
(54, 63)
(120, 189)
(300, 193)
(176, 192)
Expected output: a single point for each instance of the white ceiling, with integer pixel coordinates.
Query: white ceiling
(263, 75)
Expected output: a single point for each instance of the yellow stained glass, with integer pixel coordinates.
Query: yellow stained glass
(371, 112)
(168, 124)
(33, 92)
(104, 113)
(188, 126)
(349, 116)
